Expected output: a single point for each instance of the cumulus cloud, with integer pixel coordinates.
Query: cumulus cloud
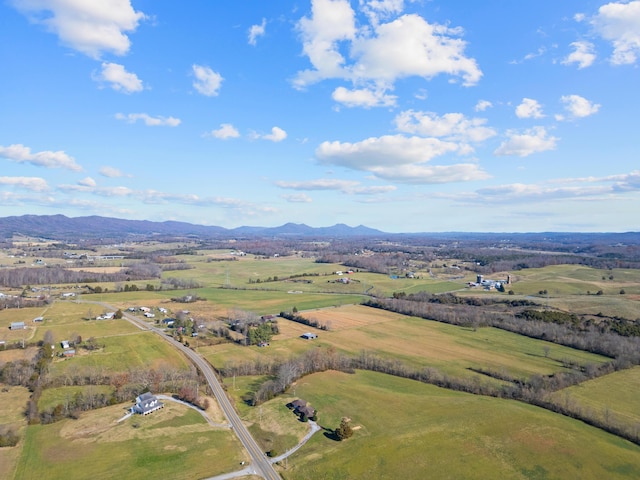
(350, 187)
(297, 198)
(529, 108)
(380, 52)
(21, 154)
(534, 140)
(579, 107)
(363, 97)
(149, 120)
(399, 158)
(88, 27)
(207, 81)
(583, 55)
(111, 172)
(225, 131)
(619, 23)
(118, 78)
(482, 105)
(30, 183)
(87, 182)
(257, 31)
(277, 135)
(453, 126)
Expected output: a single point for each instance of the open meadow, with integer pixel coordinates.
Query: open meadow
(417, 342)
(596, 395)
(405, 429)
(12, 400)
(174, 442)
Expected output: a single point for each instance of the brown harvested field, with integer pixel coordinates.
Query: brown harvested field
(350, 316)
(15, 354)
(96, 269)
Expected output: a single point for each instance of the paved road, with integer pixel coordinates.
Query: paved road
(260, 463)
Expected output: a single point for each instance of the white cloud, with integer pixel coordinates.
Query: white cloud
(452, 126)
(30, 183)
(119, 78)
(410, 46)
(277, 135)
(111, 172)
(579, 107)
(257, 31)
(88, 27)
(380, 9)
(619, 23)
(350, 187)
(482, 105)
(582, 55)
(564, 188)
(87, 182)
(225, 131)
(21, 154)
(297, 198)
(207, 81)
(399, 158)
(379, 53)
(524, 144)
(363, 97)
(149, 120)
(529, 108)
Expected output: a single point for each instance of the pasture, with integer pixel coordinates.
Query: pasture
(121, 353)
(13, 401)
(596, 395)
(174, 442)
(405, 429)
(419, 343)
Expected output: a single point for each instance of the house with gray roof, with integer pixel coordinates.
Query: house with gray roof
(146, 403)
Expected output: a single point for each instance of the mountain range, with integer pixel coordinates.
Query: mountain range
(61, 227)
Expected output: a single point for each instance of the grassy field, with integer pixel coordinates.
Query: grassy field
(51, 397)
(174, 442)
(596, 395)
(12, 401)
(405, 429)
(417, 342)
(140, 349)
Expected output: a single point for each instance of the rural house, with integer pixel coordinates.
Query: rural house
(146, 403)
(301, 407)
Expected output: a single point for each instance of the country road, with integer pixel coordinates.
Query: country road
(260, 463)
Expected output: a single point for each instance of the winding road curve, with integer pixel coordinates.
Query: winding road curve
(260, 464)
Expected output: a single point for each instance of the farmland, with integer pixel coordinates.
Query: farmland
(402, 425)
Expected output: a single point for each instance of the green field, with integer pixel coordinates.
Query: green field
(140, 349)
(416, 342)
(405, 429)
(51, 397)
(174, 442)
(598, 395)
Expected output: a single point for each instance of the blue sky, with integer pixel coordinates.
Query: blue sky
(406, 116)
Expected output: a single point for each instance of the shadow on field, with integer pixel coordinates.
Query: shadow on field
(330, 434)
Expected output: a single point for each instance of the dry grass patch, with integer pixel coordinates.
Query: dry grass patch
(16, 354)
(350, 316)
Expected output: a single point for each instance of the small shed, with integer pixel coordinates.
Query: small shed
(38, 319)
(309, 336)
(65, 344)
